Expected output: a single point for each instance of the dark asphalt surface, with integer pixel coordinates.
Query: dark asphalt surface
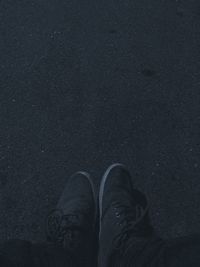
(84, 84)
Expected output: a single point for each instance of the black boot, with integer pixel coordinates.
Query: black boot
(123, 216)
(72, 224)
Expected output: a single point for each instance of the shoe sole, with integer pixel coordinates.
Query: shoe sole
(101, 190)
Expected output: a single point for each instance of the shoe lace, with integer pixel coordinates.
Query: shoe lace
(132, 223)
(63, 229)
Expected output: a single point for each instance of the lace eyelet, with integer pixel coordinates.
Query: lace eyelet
(117, 215)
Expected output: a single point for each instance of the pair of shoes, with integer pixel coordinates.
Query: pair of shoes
(85, 229)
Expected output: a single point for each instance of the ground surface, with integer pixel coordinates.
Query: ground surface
(84, 84)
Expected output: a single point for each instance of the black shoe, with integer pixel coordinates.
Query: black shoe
(123, 213)
(72, 224)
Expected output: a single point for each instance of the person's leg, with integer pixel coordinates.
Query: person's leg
(126, 237)
(70, 232)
